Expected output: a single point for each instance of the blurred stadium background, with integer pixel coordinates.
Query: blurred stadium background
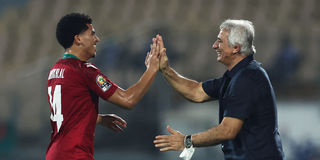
(287, 43)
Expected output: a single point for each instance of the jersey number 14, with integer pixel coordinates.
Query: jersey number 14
(55, 104)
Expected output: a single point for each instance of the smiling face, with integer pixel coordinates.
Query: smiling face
(88, 40)
(225, 52)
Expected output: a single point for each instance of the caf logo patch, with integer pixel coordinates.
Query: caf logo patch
(103, 83)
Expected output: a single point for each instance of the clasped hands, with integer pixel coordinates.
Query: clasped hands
(156, 58)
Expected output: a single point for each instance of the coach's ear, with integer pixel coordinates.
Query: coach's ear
(236, 49)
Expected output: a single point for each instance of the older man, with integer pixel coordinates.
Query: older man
(248, 128)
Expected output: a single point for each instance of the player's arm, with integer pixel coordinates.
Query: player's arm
(190, 89)
(227, 130)
(130, 97)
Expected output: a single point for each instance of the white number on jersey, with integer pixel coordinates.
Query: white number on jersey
(55, 103)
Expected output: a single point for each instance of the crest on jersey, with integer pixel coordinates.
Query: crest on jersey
(103, 83)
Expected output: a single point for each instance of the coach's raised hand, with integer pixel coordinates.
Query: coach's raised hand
(164, 62)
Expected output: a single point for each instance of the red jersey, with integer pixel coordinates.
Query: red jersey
(74, 88)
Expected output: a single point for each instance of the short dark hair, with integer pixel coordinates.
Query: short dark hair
(70, 25)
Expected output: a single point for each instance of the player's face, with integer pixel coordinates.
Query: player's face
(224, 51)
(89, 40)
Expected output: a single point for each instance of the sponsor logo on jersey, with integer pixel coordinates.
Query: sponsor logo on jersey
(103, 83)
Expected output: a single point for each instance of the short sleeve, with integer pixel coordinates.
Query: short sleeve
(240, 101)
(99, 83)
(212, 87)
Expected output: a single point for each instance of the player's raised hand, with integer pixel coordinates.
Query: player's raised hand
(112, 121)
(164, 62)
(173, 142)
(153, 57)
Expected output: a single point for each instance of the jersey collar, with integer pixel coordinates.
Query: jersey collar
(65, 56)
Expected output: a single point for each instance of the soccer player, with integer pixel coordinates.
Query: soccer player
(74, 87)
(248, 125)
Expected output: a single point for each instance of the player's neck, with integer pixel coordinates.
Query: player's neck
(76, 53)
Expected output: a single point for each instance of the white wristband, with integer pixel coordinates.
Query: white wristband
(187, 153)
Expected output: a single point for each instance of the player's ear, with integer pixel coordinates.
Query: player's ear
(77, 40)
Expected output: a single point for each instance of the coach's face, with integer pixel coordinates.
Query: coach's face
(89, 39)
(224, 51)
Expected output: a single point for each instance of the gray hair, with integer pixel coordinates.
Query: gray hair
(241, 32)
